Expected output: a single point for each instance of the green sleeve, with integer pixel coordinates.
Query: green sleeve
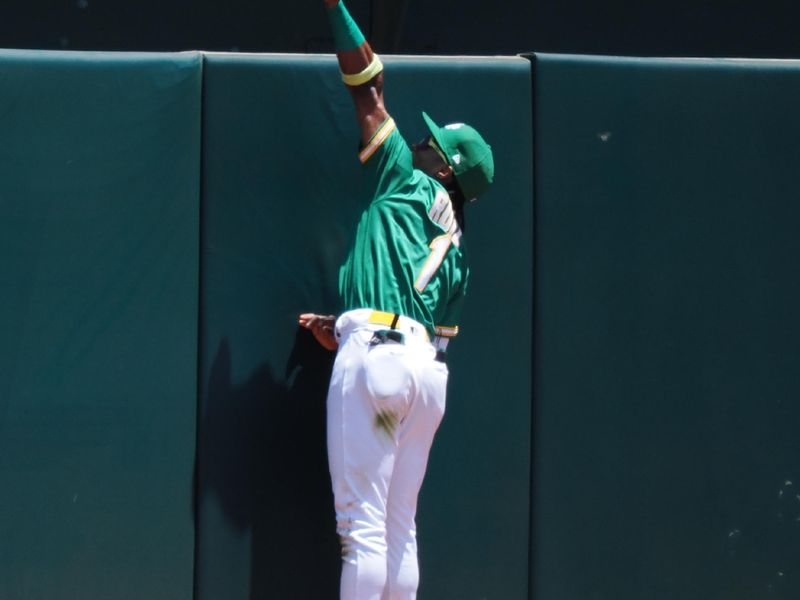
(447, 326)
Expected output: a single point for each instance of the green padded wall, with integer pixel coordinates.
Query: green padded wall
(282, 192)
(99, 187)
(667, 456)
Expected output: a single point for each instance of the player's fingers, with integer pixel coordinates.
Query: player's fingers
(317, 327)
(317, 323)
(307, 320)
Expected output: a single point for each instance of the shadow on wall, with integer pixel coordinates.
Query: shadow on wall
(264, 457)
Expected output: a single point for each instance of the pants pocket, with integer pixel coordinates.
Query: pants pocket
(389, 381)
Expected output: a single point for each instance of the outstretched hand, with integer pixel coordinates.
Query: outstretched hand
(322, 327)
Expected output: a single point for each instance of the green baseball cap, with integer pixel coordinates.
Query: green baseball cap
(468, 153)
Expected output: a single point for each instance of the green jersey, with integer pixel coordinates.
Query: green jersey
(409, 256)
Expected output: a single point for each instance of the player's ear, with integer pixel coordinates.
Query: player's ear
(445, 173)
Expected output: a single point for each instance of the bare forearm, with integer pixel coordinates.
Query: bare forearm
(352, 48)
(361, 69)
(355, 61)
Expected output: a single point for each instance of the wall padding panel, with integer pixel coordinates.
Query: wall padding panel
(667, 460)
(99, 187)
(282, 193)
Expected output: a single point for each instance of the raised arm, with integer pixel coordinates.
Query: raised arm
(361, 69)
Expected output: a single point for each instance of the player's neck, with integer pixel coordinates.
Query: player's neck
(457, 200)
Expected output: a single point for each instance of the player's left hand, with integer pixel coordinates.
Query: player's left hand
(322, 327)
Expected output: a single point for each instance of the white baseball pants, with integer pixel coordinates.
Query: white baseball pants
(385, 403)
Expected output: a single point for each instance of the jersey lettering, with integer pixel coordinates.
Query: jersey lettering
(442, 213)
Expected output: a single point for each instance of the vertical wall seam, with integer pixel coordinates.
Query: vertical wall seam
(534, 345)
(199, 358)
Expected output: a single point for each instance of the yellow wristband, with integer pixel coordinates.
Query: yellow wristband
(375, 67)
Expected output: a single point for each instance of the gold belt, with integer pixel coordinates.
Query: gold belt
(378, 317)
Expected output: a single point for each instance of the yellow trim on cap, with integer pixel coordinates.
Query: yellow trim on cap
(356, 79)
(377, 140)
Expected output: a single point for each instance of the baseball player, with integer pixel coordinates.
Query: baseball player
(402, 287)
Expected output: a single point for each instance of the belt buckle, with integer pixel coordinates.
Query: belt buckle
(384, 336)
